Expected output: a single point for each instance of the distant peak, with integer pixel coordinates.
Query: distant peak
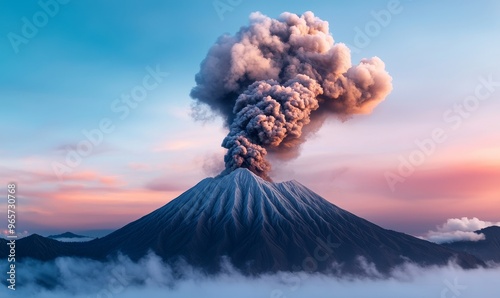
(67, 235)
(490, 228)
(35, 236)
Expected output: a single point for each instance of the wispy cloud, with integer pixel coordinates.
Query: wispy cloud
(176, 145)
(459, 229)
(139, 166)
(164, 184)
(151, 277)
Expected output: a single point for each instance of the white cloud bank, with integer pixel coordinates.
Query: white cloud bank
(151, 278)
(459, 229)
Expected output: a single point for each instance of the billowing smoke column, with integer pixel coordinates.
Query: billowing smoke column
(277, 76)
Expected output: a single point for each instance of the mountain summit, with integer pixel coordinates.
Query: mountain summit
(260, 226)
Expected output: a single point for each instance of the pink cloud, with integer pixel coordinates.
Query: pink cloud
(423, 200)
(165, 186)
(37, 178)
(139, 166)
(176, 145)
(457, 181)
(81, 206)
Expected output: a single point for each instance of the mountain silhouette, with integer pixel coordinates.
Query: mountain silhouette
(258, 226)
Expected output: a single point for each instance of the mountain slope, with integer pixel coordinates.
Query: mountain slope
(41, 248)
(263, 227)
(487, 249)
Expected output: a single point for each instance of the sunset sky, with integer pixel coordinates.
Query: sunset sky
(67, 80)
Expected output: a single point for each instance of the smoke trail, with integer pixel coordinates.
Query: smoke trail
(277, 76)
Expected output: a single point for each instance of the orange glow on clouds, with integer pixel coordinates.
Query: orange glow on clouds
(81, 207)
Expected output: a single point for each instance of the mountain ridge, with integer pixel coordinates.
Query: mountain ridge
(487, 249)
(261, 227)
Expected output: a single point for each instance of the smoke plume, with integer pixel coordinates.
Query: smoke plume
(276, 77)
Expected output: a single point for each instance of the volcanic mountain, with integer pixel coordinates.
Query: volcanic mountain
(487, 249)
(259, 226)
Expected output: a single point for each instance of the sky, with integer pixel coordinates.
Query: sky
(428, 153)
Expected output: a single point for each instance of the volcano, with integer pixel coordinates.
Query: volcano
(260, 227)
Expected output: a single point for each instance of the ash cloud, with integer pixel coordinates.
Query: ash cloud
(276, 81)
(150, 277)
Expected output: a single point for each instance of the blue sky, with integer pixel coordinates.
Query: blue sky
(65, 79)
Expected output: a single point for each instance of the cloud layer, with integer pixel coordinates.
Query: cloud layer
(150, 277)
(459, 229)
